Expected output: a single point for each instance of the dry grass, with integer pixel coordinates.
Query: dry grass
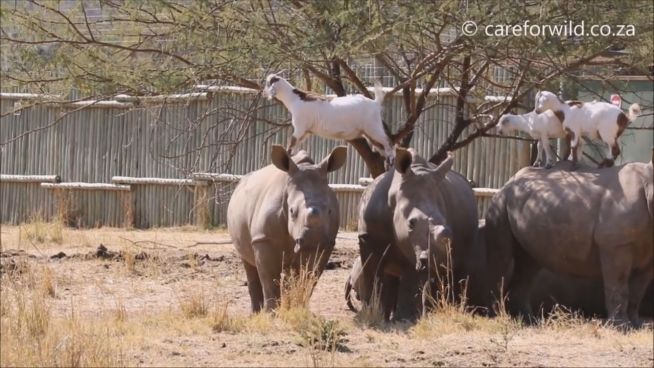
(129, 259)
(194, 304)
(296, 289)
(120, 319)
(47, 282)
(31, 336)
(450, 313)
(261, 323)
(371, 314)
(37, 230)
(120, 312)
(223, 322)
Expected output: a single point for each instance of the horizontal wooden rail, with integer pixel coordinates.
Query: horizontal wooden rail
(87, 186)
(30, 178)
(347, 188)
(365, 181)
(485, 192)
(28, 96)
(156, 181)
(179, 97)
(229, 178)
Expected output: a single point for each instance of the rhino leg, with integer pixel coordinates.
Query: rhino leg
(389, 292)
(254, 287)
(269, 267)
(616, 268)
(409, 303)
(524, 273)
(370, 269)
(637, 286)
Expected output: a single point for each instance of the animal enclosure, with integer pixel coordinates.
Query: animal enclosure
(221, 130)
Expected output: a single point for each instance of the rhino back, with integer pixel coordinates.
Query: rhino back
(550, 211)
(460, 208)
(255, 208)
(375, 216)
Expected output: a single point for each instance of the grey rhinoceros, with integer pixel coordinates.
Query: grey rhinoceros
(595, 223)
(281, 217)
(549, 290)
(408, 217)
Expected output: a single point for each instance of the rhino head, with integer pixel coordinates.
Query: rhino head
(421, 230)
(310, 206)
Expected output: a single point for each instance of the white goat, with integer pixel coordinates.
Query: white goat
(539, 126)
(348, 117)
(591, 119)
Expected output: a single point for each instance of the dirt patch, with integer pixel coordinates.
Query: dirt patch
(158, 295)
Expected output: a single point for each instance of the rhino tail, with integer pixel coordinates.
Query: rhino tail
(348, 295)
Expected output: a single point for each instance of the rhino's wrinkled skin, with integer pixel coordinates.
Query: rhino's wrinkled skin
(281, 217)
(593, 223)
(549, 290)
(408, 218)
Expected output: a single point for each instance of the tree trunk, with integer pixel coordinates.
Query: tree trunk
(374, 161)
(461, 122)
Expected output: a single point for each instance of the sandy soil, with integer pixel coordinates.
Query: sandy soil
(153, 273)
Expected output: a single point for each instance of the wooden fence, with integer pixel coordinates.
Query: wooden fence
(155, 144)
(126, 201)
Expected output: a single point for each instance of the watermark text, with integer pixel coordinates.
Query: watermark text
(564, 29)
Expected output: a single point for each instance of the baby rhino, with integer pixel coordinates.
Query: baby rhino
(281, 217)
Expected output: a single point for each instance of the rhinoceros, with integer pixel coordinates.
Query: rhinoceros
(594, 223)
(549, 290)
(281, 217)
(408, 218)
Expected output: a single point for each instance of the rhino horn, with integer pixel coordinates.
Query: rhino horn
(281, 160)
(335, 160)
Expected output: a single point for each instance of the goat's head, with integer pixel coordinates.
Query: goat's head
(505, 124)
(272, 84)
(546, 100)
(509, 123)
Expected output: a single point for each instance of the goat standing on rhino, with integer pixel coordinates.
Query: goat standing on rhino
(347, 117)
(284, 216)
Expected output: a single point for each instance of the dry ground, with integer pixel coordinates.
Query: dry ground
(173, 297)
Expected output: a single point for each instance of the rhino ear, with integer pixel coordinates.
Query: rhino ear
(281, 160)
(403, 160)
(444, 166)
(335, 160)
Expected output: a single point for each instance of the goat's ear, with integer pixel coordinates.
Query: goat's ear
(403, 160)
(282, 160)
(335, 160)
(445, 166)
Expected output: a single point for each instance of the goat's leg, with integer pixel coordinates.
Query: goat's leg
(295, 141)
(566, 150)
(379, 139)
(549, 155)
(613, 149)
(539, 154)
(574, 145)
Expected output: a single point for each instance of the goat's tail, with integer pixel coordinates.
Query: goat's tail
(379, 93)
(634, 111)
